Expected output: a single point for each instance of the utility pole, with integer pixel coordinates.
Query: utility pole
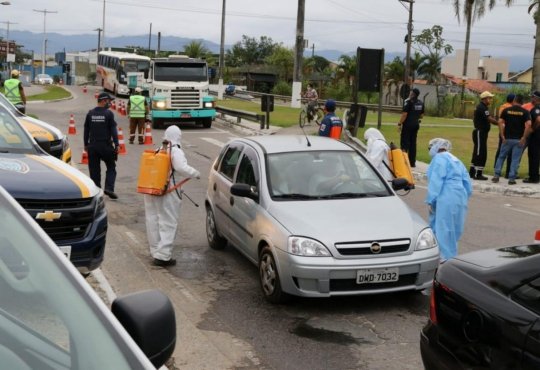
(43, 55)
(103, 28)
(7, 30)
(313, 50)
(98, 39)
(406, 77)
(221, 53)
(7, 43)
(298, 57)
(150, 37)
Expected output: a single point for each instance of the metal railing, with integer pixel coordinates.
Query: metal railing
(240, 114)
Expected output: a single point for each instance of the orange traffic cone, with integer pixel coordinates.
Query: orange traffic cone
(148, 134)
(84, 89)
(121, 142)
(113, 105)
(123, 108)
(84, 159)
(72, 130)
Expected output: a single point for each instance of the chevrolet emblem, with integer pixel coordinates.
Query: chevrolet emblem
(48, 216)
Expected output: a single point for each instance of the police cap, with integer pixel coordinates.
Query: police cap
(104, 95)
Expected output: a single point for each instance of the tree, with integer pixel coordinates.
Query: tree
(249, 51)
(431, 44)
(282, 58)
(196, 49)
(472, 10)
(535, 5)
(347, 67)
(394, 70)
(416, 62)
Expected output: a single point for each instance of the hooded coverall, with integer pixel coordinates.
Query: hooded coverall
(449, 189)
(162, 212)
(377, 152)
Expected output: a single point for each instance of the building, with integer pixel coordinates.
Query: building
(478, 68)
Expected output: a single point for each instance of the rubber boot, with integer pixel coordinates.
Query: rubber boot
(472, 172)
(479, 176)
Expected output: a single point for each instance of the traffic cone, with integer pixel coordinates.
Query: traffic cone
(122, 108)
(72, 130)
(537, 237)
(148, 134)
(121, 142)
(113, 105)
(84, 159)
(84, 89)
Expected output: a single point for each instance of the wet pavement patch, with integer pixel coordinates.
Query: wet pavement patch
(302, 329)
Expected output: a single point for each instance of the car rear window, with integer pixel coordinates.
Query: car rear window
(528, 295)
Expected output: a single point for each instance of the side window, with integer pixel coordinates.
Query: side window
(528, 295)
(247, 171)
(229, 162)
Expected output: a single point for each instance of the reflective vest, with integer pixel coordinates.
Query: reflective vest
(11, 90)
(136, 106)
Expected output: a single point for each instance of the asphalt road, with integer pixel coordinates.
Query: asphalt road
(222, 320)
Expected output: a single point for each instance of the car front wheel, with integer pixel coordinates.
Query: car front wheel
(269, 278)
(215, 241)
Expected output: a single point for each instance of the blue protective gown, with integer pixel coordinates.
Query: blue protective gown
(449, 189)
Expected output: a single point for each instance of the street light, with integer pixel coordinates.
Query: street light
(43, 58)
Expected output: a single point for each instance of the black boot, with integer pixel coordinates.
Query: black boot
(479, 176)
(472, 172)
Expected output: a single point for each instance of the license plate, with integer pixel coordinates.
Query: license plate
(185, 115)
(373, 276)
(66, 249)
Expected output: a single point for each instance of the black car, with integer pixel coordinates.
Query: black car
(485, 311)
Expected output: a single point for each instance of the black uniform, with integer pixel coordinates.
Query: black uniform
(534, 146)
(409, 132)
(101, 141)
(479, 137)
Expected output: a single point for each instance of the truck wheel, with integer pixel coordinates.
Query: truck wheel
(207, 122)
(157, 124)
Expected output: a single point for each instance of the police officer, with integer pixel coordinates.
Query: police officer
(137, 110)
(482, 124)
(409, 124)
(331, 125)
(533, 150)
(14, 91)
(101, 143)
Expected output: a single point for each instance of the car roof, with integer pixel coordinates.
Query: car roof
(295, 143)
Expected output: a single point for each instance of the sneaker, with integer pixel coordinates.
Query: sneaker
(529, 181)
(495, 179)
(111, 194)
(162, 263)
(511, 182)
(480, 177)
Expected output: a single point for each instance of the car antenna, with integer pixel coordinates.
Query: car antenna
(308, 143)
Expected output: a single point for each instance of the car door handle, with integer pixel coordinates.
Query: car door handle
(215, 187)
(231, 201)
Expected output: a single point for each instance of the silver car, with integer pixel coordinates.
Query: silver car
(317, 218)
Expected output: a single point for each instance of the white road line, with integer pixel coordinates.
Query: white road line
(213, 131)
(509, 206)
(132, 237)
(104, 285)
(213, 141)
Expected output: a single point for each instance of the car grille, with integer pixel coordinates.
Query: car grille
(350, 285)
(185, 99)
(77, 215)
(362, 248)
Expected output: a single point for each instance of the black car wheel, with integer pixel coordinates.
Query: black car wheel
(215, 241)
(269, 277)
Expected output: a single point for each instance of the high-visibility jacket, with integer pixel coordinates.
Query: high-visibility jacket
(11, 90)
(136, 106)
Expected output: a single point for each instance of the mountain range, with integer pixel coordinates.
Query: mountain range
(72, 43)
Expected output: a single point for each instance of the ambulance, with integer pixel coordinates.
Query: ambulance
(59, 145)
(61, 199)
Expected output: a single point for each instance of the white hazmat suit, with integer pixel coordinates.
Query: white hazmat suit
(449, 189)
(377, 152)
(163, 212)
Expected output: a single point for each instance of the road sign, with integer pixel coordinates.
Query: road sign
(7, 47)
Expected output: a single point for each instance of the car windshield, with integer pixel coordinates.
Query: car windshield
(13, 138)
(323, 175)
(47, 319)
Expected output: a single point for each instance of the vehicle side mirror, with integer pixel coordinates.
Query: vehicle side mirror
(400, 183)
(43, 143)
(245, 190)
(149, 318)
(145, 74)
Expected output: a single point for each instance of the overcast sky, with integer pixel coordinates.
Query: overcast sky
(329, 24)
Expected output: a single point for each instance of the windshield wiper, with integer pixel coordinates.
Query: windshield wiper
(295, 196)
(350, 195)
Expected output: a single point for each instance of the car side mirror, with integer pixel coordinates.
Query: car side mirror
(43, 143)
(400, 183)
(149, 318)
(245, 190)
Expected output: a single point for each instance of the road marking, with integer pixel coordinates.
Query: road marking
(213, 141)
(104, 284)
(132, 237)
(510, 207)
(213, 131)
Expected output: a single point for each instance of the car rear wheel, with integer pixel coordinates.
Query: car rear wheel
(269, 278)
(215, 241)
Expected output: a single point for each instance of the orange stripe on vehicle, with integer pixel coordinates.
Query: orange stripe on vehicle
(85, 192)
(37, 130)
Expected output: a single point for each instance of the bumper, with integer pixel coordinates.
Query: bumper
(187, 114)
(123, 90)
(87, 254)
(434, 355)
(327, 276)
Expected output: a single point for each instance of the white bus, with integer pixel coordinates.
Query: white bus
(113, 66)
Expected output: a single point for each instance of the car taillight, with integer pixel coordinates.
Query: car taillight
(432, 309)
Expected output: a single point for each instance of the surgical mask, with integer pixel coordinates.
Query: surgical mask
(107, 105)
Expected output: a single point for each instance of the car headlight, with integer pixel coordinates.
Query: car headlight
(306, 247)
(209, 104)
(100, 203)
(426, 239)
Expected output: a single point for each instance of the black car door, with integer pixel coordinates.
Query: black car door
(531, 352)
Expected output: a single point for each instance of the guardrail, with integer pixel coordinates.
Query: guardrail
(239, 114)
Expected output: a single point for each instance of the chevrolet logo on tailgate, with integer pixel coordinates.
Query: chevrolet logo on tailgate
(48, 216)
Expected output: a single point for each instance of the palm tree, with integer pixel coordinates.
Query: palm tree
(195, 49)
(535, 5)
(472, 10)
(430, 69)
